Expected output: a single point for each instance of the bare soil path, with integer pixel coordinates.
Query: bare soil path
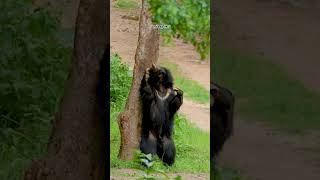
(122, 174)
(197, 114)
(287, 36)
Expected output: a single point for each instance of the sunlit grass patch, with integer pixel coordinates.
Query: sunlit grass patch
(266, 92)
(126, 4)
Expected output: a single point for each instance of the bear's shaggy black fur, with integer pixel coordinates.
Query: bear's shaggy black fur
(160, 102)
(221, 115)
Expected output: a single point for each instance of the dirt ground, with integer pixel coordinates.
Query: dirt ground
(122, 174)
(287, 35)
(262, 153)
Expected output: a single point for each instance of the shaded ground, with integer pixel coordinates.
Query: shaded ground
(262, 153)
(287, 35)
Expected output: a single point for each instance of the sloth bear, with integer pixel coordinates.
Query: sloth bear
(160, 102)
(221, 115)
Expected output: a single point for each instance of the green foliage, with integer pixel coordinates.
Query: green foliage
(120, 79)
(145, 159)
(150, 172)
(192, 144)
(187, 19)
(265, 92)
(33, 69)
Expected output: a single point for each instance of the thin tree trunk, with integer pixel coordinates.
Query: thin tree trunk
(77, 145)
(147, 53)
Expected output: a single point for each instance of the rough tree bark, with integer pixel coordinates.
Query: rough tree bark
(147, 53)
(77, 145)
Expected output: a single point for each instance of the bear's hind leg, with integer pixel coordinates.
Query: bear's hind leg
(148, 144)
(167, 151)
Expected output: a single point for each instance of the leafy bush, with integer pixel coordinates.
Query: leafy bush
(32, 74)
(120, 79)
(188, 19)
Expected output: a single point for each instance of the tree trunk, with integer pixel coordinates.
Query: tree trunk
(77, 145)
(147, 53)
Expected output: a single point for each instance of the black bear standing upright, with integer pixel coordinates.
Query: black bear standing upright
(221, 115)
(160, 101)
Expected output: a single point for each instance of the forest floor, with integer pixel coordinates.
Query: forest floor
(288, 36)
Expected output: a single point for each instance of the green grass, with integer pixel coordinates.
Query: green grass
(225, 174)
(192, 89)
(126, 4)
(265, 92)
(192, 144)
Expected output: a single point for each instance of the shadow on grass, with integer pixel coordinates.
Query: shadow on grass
(265, 92)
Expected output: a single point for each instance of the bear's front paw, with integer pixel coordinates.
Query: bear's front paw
(178, 91)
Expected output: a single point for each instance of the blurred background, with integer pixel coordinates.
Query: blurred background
(266, 53)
